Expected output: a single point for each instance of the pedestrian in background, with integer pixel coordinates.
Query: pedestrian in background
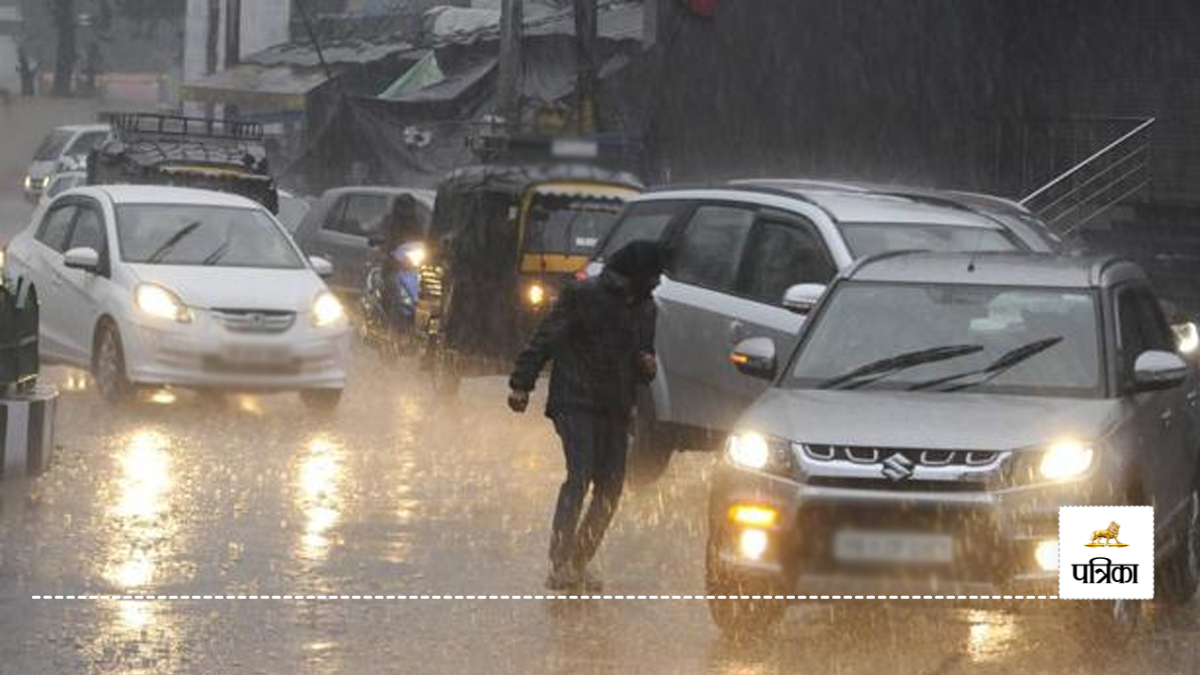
(600, 336)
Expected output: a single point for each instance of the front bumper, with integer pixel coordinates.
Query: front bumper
(204, 354)
(995, 536)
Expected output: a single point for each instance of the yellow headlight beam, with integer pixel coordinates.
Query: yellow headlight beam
(1065, 459)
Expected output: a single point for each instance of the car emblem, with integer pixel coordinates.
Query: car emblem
(256, 319)
(898, 467)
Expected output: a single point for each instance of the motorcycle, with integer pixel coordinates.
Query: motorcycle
(388, 302)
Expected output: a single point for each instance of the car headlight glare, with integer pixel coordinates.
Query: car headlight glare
(1187, 338)
(157, 301)
(1065, 459)
(751, 450)
(536, 294)
(327, 310)
(416, 256)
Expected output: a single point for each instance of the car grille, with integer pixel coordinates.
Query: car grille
(254, 321)
(873, 455)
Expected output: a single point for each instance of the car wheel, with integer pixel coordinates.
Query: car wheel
(1180, 574)
(108, 367)
(649, 449)
(743, 608)
(321, 400)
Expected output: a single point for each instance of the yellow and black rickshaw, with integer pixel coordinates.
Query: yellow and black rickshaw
(505, 239)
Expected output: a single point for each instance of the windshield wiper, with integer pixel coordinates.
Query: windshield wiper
(161, 252)
(1005, 361)
(876, 370)
(218, 253)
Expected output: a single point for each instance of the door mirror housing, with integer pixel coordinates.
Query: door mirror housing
(83, 258)
(801, 298)
(755, 357)
(1156, 370)
(321, 266)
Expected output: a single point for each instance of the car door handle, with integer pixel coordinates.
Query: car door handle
(737, 331)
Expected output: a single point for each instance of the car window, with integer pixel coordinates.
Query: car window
(88, 231)
(55, 227)
(711, 247)
(362, 216)
(51, 146)
(62, 183)
(864, 239)
(85, 143)
(645, 221)
(779, 256)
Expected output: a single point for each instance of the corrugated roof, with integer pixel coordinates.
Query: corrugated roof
(615, 21)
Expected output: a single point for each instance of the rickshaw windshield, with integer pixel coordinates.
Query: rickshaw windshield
(569, 225)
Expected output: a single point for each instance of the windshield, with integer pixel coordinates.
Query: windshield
(950, 337)
(865, 239)
(52, 146)
(64, 182)
(569, 225)
(193, 234)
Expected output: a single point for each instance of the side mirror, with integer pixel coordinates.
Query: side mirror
(1187, 337)
(1157, 370)
(801, 298)
(321, 266)
(755, 357)
(86, 259)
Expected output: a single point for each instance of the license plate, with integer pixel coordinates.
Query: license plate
(255, 355)
(902, 547)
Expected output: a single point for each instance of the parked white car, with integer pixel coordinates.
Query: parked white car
(169, 286)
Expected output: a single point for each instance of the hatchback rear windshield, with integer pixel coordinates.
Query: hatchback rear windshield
(195, 234)
(866, 239)
(569, 225)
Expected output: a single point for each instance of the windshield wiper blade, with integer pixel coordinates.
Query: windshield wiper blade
(882, 368)
(165, 248)
(994, 369)
(218, 253)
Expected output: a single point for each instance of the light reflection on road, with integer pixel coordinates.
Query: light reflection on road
(142, 494)
(319, 498)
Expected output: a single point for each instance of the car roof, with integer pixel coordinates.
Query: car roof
(995, 268)
(424, 195)
(848, 202)
(158, 194)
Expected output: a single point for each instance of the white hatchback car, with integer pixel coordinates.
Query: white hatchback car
(171, 286)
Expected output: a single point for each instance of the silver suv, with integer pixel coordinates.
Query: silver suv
(750, 258)
(937, 412)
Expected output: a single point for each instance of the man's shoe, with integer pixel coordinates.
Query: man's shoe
(563, 578)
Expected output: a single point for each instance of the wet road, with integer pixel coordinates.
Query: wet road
(398, 495)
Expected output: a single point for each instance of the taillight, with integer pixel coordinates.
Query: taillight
(581, 275)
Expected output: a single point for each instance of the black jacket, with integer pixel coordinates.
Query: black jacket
(594, 338)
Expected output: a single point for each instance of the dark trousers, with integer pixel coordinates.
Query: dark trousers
(594, 445)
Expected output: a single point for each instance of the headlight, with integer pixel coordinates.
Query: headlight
(28, 182)
(1065, 459)
(416, 256)
(159, 302)
(536, 294)
(1187, 338)
(327, 310)
(750, 450)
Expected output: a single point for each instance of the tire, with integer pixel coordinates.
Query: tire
(108, 366)
(650, 449)
(740, 616)
(1180, 574)
(321, 400)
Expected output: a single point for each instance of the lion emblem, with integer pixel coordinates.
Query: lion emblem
(1108, 536)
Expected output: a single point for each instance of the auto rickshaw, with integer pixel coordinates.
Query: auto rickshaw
(504, 241)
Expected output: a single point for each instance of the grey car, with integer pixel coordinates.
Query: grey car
(750, 258)
(937, 412)
(342, 223)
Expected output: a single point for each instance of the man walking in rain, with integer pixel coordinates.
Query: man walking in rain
(600, 335)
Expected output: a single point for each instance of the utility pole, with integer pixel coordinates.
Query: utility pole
(586, 29)
(233, 32)
(509, 79)
(64, 67)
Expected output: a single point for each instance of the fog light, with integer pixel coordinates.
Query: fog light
(1047, 555)
(752, 544)
(753, 515)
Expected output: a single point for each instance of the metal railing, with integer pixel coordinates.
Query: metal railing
(1091, 187)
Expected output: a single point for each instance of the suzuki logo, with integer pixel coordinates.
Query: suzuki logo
(898, 467)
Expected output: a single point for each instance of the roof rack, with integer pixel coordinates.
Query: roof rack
(154, 124)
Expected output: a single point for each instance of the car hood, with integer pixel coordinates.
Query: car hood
(42, 168)
(929, 420)
(236, 287)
